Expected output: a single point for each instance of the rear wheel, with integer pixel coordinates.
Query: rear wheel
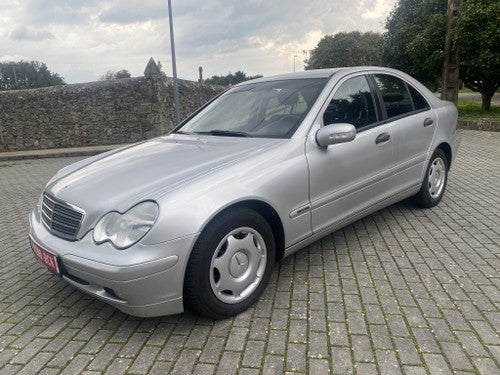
(434, 185)
(230, 264)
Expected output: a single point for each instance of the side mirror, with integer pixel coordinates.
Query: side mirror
(335, 133)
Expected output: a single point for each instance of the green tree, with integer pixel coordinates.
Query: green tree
(124, 73)
(346, 49)
(477, 40)
(415, 37)
(16, 75)
(230, 79)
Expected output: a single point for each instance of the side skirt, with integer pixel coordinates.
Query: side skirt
(412, 190)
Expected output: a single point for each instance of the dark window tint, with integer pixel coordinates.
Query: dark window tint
(396, 97)
(419, 101)
(352, 104)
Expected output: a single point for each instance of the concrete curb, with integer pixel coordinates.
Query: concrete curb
(56, 152)
(487, 124)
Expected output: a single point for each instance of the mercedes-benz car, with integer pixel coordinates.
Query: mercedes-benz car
(197, 218)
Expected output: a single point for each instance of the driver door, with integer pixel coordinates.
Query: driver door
(347, 178)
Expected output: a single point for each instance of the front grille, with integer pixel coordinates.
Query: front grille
(61, 218)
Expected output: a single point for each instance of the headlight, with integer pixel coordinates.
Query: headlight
(124, 230)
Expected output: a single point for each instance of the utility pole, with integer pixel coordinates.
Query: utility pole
(174, 66)
(15, 75)
(451, 79)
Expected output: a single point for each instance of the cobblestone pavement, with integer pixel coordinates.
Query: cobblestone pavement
(403, 291)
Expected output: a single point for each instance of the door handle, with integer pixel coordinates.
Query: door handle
(428, 122)
(382, 138)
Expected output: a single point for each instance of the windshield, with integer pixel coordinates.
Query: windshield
(267, 109)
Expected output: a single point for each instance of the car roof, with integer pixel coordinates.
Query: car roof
(318, 73)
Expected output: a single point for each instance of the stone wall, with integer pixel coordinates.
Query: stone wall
(96, 113)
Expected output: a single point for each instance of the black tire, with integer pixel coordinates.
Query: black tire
(431, 192)
(211, 265)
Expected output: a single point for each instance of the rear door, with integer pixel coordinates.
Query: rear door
(412, 126)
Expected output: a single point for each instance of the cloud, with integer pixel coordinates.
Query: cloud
(28, 34)
(133, 11)
(81, 40)
(56, 12)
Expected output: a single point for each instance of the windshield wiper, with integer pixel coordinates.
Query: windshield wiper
(225, 133)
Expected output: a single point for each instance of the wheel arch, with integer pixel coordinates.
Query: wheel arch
(270, 215)
(446, 148)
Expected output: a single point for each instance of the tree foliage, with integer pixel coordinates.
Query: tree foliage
(415, 38)
(124, 73)
(230, 79)
(477, 40)
(346, 49)
(16, 75)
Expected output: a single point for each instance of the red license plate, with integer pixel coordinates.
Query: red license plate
(46, 257)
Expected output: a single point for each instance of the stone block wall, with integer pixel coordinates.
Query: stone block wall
(96, 113)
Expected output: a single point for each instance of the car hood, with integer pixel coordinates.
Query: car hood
(150, 169)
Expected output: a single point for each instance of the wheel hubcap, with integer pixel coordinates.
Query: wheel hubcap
(436, 178)
(238, 265)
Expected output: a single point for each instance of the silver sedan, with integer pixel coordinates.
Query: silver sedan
(197, 218)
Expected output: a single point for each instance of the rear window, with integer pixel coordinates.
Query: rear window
(419, 101)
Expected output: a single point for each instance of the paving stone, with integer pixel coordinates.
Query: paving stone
(229, 363)
(387, 362)
(296, 357)
(456, 355)
(77, 364)
(29, 351)
(318, 345)
(237, 338)
(104, 357)
(342, 361)
(277, 342)
(144, 360)
(212, 350)
(380, 337)
(486, 333)
(407, 351)
(297, 331)
(425, 340)
(67, 354)
(403, 290)
(471, 344)
(414, 370)
(486, 366)
(36, 364)
(118, 366)
(273, 365)
(186, 361)
(253, 354)
(204, 369)
(436, 364)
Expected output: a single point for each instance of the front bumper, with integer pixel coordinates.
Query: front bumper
(141, 280)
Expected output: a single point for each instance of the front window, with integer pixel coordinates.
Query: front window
(352, 104)
(267, 109)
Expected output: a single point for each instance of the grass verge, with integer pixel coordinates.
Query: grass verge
(470, 110)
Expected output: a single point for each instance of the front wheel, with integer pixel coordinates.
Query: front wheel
(230, 264)
(436, 177)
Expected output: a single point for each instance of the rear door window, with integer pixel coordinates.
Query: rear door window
(395, 95)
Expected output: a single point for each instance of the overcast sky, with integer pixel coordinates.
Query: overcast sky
(82, 39)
